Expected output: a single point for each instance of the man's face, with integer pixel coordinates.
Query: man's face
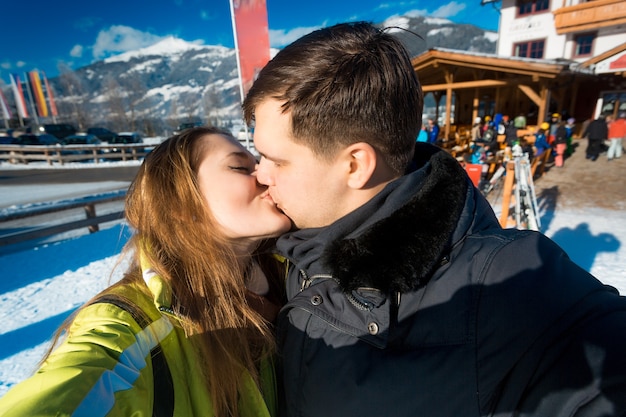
(306, 188)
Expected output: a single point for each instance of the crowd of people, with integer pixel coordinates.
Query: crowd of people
(604, 134)
(349, 271)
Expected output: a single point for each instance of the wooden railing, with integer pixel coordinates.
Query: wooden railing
(91, 220)
(590, 16)
(23, 154)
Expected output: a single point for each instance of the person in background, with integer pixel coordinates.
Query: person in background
(477, 129)
(560, 144)
(541, 143)
(487, 123)
(510, 131)
(555, 121)
(433, 131)
(569, 127)
(177, 335)
(405, 296)
(616, 134)
(423, 134)
(520, 121)
(596, 133)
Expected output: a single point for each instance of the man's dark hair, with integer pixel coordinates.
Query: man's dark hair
(344, 84)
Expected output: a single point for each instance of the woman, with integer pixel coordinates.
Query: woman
(177, 335)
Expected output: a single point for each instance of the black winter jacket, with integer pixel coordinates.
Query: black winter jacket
(419, 304)
(597, 129)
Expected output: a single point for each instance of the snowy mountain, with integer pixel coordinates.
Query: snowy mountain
(154, 88)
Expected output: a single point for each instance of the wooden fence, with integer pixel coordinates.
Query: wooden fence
(23, 154)
(91, 220)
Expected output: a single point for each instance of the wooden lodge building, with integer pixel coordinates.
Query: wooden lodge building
(554, 56)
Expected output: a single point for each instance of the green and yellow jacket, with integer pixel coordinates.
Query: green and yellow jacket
(117, 363)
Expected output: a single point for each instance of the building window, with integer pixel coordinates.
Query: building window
(526, 7)
(583, 44)
(531, 49)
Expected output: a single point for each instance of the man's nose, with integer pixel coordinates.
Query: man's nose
(263, 174)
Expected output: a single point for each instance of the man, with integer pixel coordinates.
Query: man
(596, 133)
(405, 297)
(433, 131)
(617, 132)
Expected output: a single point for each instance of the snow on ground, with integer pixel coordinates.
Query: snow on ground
(39, 288)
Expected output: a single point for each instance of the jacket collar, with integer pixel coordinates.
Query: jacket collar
(396, 240)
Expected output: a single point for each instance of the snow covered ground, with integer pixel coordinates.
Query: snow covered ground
(39, 288)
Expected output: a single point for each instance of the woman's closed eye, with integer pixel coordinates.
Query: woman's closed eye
(242, 168)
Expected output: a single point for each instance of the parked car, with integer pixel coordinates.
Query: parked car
(127, 137)
(81, 139)
(187, 125)
(102, 133)
(37, 139)
(60, 130)
(7, 140)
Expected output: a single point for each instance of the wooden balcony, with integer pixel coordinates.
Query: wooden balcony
(589, 16)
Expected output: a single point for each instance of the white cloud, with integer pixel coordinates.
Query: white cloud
(416, 13)
(5, 65)
(119, 38)
(448, 10)
(282, 37)
(77, 51)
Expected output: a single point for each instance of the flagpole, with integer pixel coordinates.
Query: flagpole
(241, 91)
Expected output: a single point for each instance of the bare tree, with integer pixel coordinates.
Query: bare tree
(173, 118)
(116, 102)
(72, 102)
(135, 94)
(213, 102)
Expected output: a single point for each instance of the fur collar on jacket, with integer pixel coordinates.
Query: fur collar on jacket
(401, 251)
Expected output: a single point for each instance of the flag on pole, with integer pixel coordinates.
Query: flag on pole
(18, 94)
(53, 106)
(5, 107)
(252, 39)
(40, 99)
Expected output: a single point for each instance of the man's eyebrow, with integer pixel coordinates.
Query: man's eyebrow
(270, 158)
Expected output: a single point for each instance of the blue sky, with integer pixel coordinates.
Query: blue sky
(41, 34)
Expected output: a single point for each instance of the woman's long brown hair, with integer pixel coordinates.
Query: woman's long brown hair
(175, 230)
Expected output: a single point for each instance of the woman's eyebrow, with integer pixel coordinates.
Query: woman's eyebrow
(242, 155)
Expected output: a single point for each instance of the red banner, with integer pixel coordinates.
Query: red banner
(253, 40)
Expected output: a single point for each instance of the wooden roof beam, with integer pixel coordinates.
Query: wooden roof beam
(465, 84)
(536, 98)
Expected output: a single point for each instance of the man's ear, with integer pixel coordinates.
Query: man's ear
(362, 159)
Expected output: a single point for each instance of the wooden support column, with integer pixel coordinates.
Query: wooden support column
(475, 104)
(509, 179)
(449, 80)
(545, 101)
(572, 104)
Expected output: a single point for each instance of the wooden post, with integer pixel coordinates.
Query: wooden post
(90, 211)
(506, 193)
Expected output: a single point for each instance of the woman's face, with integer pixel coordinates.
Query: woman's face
(241, 206)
